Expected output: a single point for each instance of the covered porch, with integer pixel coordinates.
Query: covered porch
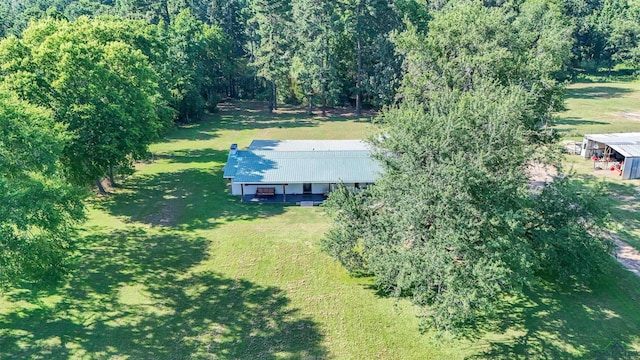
(315, 199)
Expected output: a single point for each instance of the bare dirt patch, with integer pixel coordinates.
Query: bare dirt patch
(627, 255)
(540, 175)
(168, 211)
(630, 115)
(606, 172)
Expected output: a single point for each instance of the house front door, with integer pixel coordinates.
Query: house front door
(306, 188)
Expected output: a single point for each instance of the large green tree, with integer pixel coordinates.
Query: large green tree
(529, 46)
(102, 88)
(232, 16)
(273, 22)
(196, 64)
(37, 206)
(366, 52)
(316, 64)
(453, 222)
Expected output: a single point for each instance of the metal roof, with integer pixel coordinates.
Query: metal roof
(616, 139)
(309, 145)
(231, 166)
(626, 150)
(627, 144)
(270, 167)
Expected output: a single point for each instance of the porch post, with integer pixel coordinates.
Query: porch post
(284, 192)
(241, 192)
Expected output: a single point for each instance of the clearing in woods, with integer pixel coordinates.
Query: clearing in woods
(171, 266)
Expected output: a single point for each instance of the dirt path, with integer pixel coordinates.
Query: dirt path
(628, 256)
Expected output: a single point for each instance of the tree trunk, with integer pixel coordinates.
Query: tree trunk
(324, 76)
(358, 79)
(324, 103)
(309, 105)
(231, 91)
(101, 189)
(165, 15)
(272, 97)
(112, 178)
(271, 102)
(275, 95)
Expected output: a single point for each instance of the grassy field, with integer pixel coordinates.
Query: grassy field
(600, 107)
(606, 107)
(172, 267)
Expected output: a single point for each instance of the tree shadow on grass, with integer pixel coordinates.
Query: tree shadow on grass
(259, 110)
(625, 209)
(235, 116)
(605, 75)
(189, 199)
(598, 92)
(568, 322)
(192, 156)
(135, 296)
(574, 121)
(240, 116)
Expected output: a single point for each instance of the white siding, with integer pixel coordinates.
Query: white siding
(291, 189)
(294, 189)
(235, 189)
(319, 188)
(252, 189)
(590, 148)
(584, 152)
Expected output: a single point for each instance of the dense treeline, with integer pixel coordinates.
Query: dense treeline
(38, 206)
(326, 53)
(321, 53)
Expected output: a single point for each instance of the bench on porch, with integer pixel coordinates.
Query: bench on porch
(265, 192)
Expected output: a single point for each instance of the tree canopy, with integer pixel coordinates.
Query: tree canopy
(273, 49)
(102, 88)
(37, 205)
(87, 97)
(452, 222)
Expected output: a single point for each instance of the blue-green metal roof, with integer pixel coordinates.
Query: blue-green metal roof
(231, 166)
(276, 167)
(309, 145)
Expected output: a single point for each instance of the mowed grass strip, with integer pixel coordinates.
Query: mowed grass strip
(173, 267)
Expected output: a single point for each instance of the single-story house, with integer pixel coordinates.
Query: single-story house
(270, 168)
(622, 148)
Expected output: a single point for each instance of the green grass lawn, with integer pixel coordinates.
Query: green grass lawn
(606, 107)
(172, 267)
(601, 107)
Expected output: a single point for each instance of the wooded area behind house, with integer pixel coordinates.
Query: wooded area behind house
(321, 53)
